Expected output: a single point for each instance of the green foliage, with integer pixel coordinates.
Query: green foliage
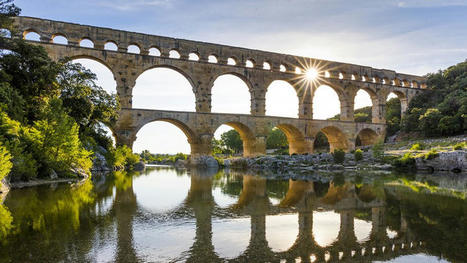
(122, 158)
(276, 139)
(6, 221)
(321, 142)
(460, 146)
(417, 147)
(358, 154)
(338, 155)
(393, 116)
(5, 162)
(441, 110)
(432, 154)
(378, 150)
(405, 163)
(231, 140)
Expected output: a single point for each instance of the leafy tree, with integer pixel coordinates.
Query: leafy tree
(276, 139)
(231, 139)
(393, 116)
(429, 122)
(338, 155)
(5, 162)
(321, 141)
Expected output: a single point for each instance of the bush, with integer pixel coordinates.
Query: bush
(432, 154)
(406, 162)
(459, 146)
(378, 150)
(122, 158)
(5, 162)
(338, 155)
(417, 147)
(358, 154)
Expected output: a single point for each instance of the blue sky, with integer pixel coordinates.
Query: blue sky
(411, 36)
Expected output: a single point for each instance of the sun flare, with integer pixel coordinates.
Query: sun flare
(311, 73)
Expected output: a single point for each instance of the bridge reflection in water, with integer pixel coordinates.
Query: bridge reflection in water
(166, 215)
(300, 198)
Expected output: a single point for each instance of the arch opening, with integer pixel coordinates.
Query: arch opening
(163, 88)
(287, 139)
(164, 136)
(281, 99)
(59, 39)
(174, 54)
(230, 94)
(366, 137)
(154, 52)
(111, 46)
(31, 36)
(133, 49)
(105, 77)
(212, 59)
(326, 103)
(5, 33)
(249, 63)
(336, 138)
(231, 61)
(233, 138)
(395, 106)
(86, 42)
(266, 66)
(282, 68)
(193, 56)
(363, 106)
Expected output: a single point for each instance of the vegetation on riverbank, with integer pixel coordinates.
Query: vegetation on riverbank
(51, 113)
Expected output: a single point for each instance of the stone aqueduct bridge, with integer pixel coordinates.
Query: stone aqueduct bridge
(256, 68)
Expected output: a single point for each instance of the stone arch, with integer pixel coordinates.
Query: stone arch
(279, 102)
(242, 77)
(366, 137)
(402, 98)
(59, 36)
(336, 138)
(183, 74)
(246, 134)
(84, 40)
(343, 105)
(191, 136)
(108, 45)
(101, 61)
(374, 101)
(33, 32)
(296, 139)
(134, 48)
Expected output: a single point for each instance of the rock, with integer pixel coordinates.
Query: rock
(52, 174)
(180, 163)
(204, 161)
(140, 166)
(227, 163)
(455, 161)
(99, 162)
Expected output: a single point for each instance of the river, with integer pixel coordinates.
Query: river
(169, 215)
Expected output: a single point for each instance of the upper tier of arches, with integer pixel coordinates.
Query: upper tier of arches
(225, 55)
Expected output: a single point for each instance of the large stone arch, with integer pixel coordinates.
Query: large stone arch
(374, 100)
(367, 136)
(267, 89)
(403, 98)
(336, 137)
(186, 75)
(298, 143)
(346, 103)
(247, 134)
(245, 79)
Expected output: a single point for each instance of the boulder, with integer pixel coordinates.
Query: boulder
(180, 163)
(455, 161)
(99, 163)
(204, 161)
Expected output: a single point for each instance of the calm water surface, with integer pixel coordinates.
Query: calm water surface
(168, 215)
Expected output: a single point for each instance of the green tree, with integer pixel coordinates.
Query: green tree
(429, 122)
(231, 139)
(276, 139)
(5, 162)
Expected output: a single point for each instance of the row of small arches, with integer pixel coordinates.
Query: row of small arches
(249, 63)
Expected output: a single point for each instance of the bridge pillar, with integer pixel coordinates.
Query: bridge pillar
(379, 110)
(258, 102)
(301, 146)
(201, 146)
(254, 146)
(347, 110)
(203, 97)
(125, 136)
(305, 106)
(125, 84)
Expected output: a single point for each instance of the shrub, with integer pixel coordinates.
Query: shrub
(431, 154)
(5, 162)
(459, 146)
(358, 155)
(338, 155)
(417, 147)
(378, 150)
(122, 157)
(406, 162)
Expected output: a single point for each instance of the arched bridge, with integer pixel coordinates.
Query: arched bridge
(201, 63)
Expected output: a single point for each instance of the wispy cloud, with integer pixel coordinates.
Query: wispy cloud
(133, 5)
(430, 3)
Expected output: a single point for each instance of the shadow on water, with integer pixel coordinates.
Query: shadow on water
(168, 215)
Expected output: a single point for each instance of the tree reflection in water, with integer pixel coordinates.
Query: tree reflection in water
(102, 220)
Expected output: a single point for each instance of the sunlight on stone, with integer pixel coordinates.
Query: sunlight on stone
(281, 231)
(161, 137)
